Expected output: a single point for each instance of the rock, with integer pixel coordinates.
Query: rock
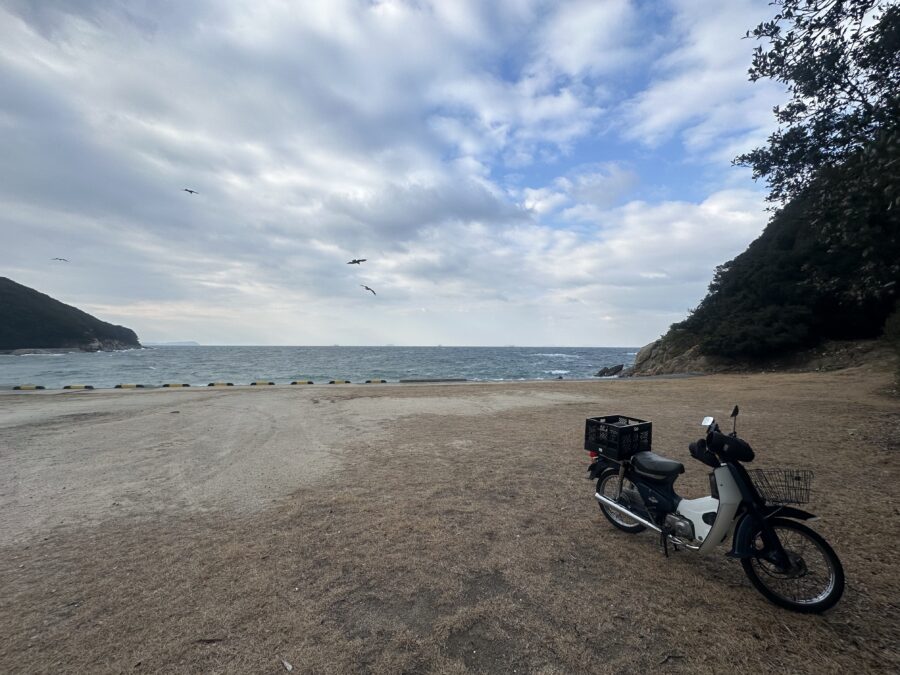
(615, 370)
(645, 354)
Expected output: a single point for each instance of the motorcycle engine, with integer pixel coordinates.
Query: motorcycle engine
(680, 527)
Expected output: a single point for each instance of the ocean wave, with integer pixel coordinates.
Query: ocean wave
(558, 372)
(559, 356)
(630, 353)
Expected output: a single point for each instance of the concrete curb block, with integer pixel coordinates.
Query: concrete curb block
(220, 384)
(340, 382)
(175, 386)
(129, 386)
(79, 386)
(302, 382)
(262, 383)
(376, 381)
(28, 387)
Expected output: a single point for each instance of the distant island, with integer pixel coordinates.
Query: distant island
(180, 343)
(31, 321)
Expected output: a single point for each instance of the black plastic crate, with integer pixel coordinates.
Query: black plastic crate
(617, 437)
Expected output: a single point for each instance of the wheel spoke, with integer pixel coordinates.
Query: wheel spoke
(609, 489)
(812, 576)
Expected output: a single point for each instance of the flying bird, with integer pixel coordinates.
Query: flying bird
(60, 259)
(356, 261)
(369, 289)
(193, 192)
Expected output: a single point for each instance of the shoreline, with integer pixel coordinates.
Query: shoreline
(9, 389)
(27, 351)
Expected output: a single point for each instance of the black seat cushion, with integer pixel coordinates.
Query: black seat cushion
(656, 466)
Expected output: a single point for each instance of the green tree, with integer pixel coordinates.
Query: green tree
(837, 143)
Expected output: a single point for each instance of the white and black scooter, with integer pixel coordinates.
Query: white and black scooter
(786, 561)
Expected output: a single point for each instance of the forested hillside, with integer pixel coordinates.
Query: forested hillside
(793, 287)
(827, 266)
(32, 320)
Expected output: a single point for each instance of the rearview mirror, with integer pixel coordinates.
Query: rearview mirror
(708, 422)
(734, 413)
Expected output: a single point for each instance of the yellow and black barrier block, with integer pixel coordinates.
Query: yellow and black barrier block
(262, 383)
(28, 387)
(220, 384)
(340, 382)
(129, 386)
(302, 382)
(376, 381)
(174, 385)
(79, 386)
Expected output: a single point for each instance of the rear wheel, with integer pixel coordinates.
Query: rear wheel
(815, 580)
(608, 486)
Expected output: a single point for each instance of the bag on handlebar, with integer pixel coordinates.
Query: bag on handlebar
(700, 452)
(729, 448)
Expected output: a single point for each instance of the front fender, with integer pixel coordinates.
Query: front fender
(788, 512)
(749, 525)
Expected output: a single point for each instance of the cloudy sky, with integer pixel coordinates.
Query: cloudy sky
(516, 171)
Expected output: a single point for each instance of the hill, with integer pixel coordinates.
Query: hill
(827, 267)
(794, 291)
(32, 320)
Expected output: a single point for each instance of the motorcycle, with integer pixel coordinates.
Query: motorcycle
(785, 560)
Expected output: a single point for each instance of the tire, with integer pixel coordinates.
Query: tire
(609, 481)
(787, 590)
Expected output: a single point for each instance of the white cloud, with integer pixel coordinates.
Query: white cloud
(586, 192)
(699, 89)
(543, 200)
(589, 37)
(377, 130)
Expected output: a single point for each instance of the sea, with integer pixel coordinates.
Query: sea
(200, 365)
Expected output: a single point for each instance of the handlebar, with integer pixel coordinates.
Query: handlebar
(701, 452)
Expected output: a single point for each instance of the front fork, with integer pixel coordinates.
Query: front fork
(772, 550)
(753, 526)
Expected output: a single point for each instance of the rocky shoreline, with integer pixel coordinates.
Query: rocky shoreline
(668, 357)
(92, 346)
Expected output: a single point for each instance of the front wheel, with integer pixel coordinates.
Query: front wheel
(608, 486)
(815, 580)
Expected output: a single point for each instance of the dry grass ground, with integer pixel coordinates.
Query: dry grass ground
(438, 529)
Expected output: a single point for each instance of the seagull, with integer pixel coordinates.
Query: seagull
(193, 192)
(369, 289)
(60, 259)
(357, 261)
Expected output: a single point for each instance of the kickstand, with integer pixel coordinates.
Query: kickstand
(664, 542)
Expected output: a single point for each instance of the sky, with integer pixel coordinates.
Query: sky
(515, 172)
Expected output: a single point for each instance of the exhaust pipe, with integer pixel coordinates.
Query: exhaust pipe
(618, 507)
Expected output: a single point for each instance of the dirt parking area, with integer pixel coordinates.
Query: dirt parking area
(410, 528)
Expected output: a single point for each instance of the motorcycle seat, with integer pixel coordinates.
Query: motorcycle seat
(656, 466)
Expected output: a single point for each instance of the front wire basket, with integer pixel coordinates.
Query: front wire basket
(782, 486)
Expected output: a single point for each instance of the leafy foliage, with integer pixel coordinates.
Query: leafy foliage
(838, 138)
(791, 288)
(29, 319)
(828, 263)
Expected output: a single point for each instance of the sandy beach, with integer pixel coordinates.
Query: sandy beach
(421, 528)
